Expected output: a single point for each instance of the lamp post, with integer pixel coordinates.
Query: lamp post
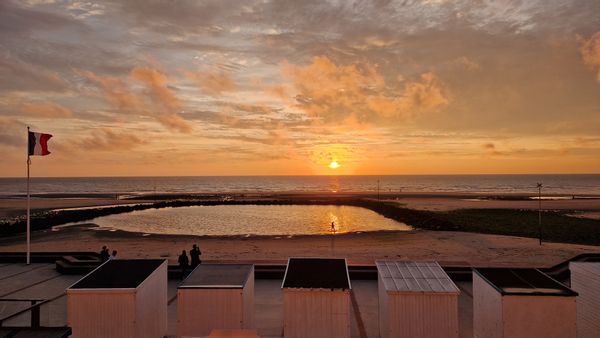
(539, 186)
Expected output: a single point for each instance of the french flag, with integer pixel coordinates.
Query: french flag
(38, 144)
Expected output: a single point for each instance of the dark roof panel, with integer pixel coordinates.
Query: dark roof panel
(119, 274)
(316, 273)
(523, 282)
(218, 276)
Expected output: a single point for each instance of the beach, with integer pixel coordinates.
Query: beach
(451, 247)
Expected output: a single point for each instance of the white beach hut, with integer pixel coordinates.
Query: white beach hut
(416, 299)
(521, 303)
(121, 298)
(216, 296)
(316, 298)
(585, 280)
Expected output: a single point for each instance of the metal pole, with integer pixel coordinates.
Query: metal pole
(332, 239)
(35, 315)
(539, 185)
(28, 203)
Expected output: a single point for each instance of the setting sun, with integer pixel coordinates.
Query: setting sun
(334, 165)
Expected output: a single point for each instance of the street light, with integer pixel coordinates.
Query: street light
(539, 186)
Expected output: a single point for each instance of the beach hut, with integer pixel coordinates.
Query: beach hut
(416, 299)
(316, 298)
(585, 280)
(521, 303)
(216, 296)
(121, 298)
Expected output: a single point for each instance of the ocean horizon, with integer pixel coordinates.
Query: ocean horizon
(567, 184)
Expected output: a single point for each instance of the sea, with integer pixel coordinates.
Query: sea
(564, 184)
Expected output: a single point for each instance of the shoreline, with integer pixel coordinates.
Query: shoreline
(296, 193)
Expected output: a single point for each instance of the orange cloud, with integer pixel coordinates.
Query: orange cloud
(590, 52)
(157, 101)
(45, 109)
(107, 140)
(157, 90)
(423, 95)
(212, 83)
(359, 92)
(174, 122)
(491, 149)
(116, 91)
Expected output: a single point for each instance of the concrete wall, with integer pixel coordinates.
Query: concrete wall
(422, 315)
(101, 313)
(539, 316)
(487, 310)
(201, 310)
(151, 304)
(383, 310)
(248, 299)
(316, 313)
(585, 279)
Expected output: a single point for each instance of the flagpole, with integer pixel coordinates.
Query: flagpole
(28, 204)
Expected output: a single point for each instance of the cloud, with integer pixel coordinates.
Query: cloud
(18, 75)
(491, 149)
(359, 92)
(116, 91)
(467, 63)
(82, 10)
(590, 52)
(165, 104)
(46, 110)
(174, 122)
(157, 91)
(108, 140)
(212, 83)
(12, 132)
(156, 100)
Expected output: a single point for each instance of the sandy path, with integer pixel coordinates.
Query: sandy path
(450, 247)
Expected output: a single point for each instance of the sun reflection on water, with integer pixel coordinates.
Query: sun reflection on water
(251, 220)
(334, 222)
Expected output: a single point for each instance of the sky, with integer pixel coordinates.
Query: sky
(150, 88)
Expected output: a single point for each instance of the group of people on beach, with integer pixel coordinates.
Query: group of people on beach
(184, 262)
(105, 255)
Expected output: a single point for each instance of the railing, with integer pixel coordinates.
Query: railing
(34, 309)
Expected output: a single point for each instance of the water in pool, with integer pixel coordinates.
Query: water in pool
(223, 220)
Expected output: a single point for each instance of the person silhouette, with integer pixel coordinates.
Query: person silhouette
(333, 227)
(183, 263)
(195, 256)
(104, 255)
(113, 256)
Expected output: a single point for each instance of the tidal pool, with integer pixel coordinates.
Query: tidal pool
(224, 220)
